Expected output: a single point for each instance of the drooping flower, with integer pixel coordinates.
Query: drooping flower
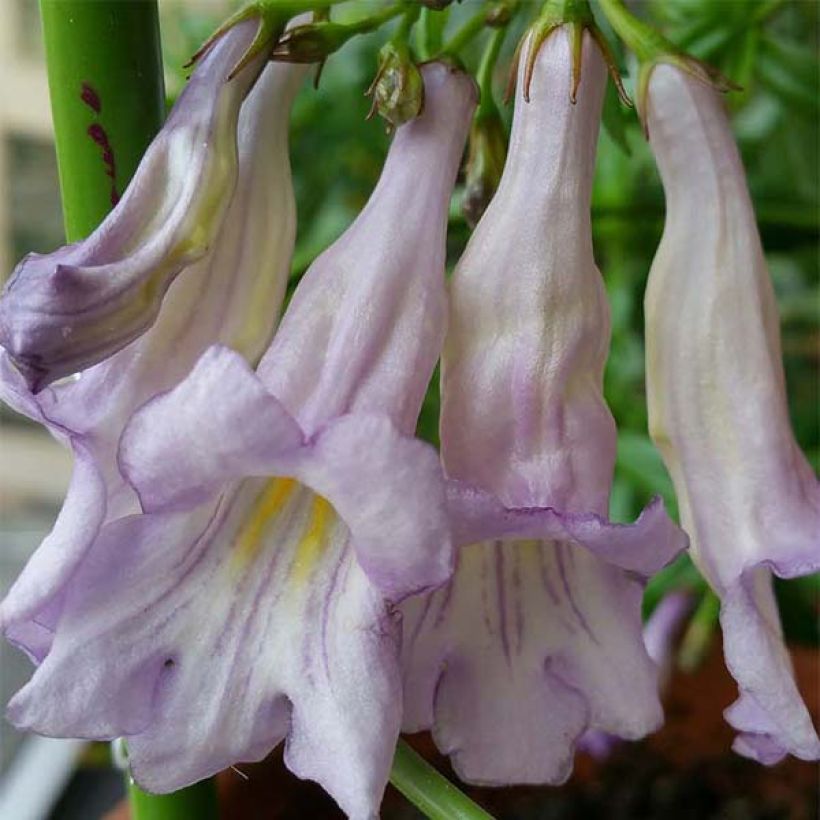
(232, 295)
(65, 311)
(538, 637)
(718, 411)
(281, 508)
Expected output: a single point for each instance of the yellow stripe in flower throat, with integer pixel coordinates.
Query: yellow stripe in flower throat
(270, 503)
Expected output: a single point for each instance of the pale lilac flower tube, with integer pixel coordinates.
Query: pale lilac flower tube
(717, 407)
(233, 295)
(281, 508)
(538, 637)
(63, 312)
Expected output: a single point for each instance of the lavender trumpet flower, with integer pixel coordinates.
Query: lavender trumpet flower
(233, 295)
(538, 637)
(282, 507)
(718, 412)
(65, 311)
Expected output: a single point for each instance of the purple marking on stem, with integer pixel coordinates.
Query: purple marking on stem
(99, 136)
(91, 98)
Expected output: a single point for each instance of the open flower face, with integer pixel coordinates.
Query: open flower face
(537, 638)
(65, 311)
(281, 508)
(717, 407)
(232, 295)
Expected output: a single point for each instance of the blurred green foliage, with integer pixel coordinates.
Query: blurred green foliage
(770, 47)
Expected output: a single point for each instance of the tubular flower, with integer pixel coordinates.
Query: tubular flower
(65, 311)
(537, 638)
(233, 295)
(718, 412)
(281, 508)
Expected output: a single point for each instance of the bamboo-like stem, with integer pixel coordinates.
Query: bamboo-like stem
(430, 792)
(107, 99)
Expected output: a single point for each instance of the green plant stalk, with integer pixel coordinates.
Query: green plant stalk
(697, 640)
(430, 32)
(430, 792)
(197, 802)
(484, 75)
(107, 99)
(467, 32)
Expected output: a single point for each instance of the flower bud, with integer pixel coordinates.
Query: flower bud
(311, 43)
(398, 89)
(485, 164)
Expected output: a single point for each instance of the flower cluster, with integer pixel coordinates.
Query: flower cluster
(254, 545)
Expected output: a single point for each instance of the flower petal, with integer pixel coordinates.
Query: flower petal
(62, 312)
(770, 715)
(644, 547)
(387, 487)
(529, 646)
(29, 611)
(217, 424)
(206, 637)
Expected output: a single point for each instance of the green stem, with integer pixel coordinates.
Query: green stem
(430, 792)
(466, 33)
(406, 24)
(430, 32)
(700, 633)
(484, 76)
(101, 55)
(197, 802)
(643, 39)
(378, 19)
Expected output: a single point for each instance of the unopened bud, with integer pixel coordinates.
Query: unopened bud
(436, 5)
(485, 164)
(398, 89)
(310, 43)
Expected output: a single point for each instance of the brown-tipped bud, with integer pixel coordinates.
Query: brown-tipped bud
(435, 5)
(310, 43)
(487, 152)
(398, 89)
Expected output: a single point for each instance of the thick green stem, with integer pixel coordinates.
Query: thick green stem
(197, 802)
(107, 99)
(430, 792)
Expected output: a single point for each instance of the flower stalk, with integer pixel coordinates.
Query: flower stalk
(107, 99)
(429, 791)
(652, 48)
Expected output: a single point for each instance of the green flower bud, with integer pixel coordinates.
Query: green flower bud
(311, 43)
(398, 89)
